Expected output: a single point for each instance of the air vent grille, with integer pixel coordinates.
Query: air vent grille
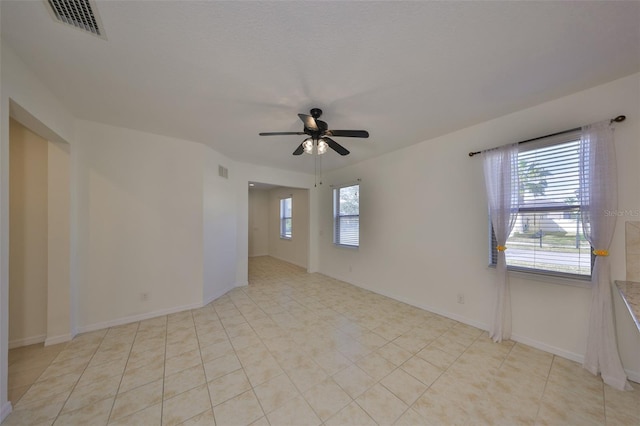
(78, 13)
(223, 172)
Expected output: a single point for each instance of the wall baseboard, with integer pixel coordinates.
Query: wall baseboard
(579, 358)
(17, 343)
(634, 376)
(242, 284)
(5, 410)
(288, 261)
(54, 340)
(428, 308)
(153, 314)
(218, 294)
(136, 318)
(436, 311)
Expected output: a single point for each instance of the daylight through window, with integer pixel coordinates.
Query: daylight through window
(346, 215)
(547, 236)
(285, 218)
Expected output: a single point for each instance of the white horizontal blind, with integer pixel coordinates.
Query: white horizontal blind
(547, 236)
(346, 209)
(285, 218)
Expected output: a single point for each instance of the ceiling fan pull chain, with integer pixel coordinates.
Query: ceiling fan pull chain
(315, 171)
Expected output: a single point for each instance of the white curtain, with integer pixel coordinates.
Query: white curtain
(599, 194)
(501, 181)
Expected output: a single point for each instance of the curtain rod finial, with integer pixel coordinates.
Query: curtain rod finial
(618, 119)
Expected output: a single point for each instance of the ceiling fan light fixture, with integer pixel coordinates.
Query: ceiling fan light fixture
(307, 145)
(322, 146)
(320, 139)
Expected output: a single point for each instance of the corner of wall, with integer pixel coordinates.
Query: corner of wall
(54, 340)
(5, 410)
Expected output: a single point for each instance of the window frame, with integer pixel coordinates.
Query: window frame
(284, 218)
(337, 216)
(571, 209)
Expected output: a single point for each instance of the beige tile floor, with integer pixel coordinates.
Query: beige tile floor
(302, 349)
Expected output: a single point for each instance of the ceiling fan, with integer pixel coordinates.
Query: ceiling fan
(320, 135)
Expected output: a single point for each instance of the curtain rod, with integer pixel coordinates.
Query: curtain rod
(618, 119)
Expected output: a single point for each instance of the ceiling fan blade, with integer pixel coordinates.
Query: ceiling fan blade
(337, 147)
(309, 122)
(299, 150)
(280, 133)
(348, 133)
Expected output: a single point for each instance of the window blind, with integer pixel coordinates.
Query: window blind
(347, 216)
(547, 236)
(285, 218)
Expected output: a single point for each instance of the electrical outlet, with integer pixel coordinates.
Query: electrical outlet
(144, 296)
(461, 298)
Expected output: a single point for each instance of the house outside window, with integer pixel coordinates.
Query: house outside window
(285, 218)
(346, 216)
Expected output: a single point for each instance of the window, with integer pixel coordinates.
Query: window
(346, 216)
(547, 236)
(285, 218)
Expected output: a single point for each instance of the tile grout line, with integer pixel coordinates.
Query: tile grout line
(35, 380)
(300, 307)
(544, 388)
(79, 377)
(264, 413)
(164, 366)
(234, 353)
(206, 382)
(123, 371)
(300, 393)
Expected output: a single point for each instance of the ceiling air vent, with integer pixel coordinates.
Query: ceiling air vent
(81, 14)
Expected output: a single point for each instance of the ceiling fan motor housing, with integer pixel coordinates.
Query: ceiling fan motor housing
(315, 112)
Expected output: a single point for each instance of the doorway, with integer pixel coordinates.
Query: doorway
(39, 312)
(28, 236)
(266, 234)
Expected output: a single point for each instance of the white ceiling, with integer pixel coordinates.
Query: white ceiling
(220, 72)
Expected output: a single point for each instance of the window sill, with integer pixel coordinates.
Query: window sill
(346, 246)
(285, 238)
(548, 278)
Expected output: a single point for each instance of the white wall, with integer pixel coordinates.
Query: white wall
(147, 216)
(258, 222)
(59, 316)
(141, 240)
(22, 91)
(294, 250)
(28, 266)
(5, 405)
(219, 227)
(264, 225)
(424, 234)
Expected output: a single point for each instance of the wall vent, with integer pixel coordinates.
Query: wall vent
(81, 14)
(223, 172)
